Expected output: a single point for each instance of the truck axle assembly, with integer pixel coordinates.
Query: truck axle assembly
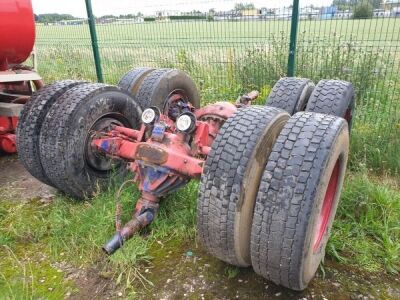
(270, 175)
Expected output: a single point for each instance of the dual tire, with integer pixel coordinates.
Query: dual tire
(270, 190)
(330, 97)
(54, 133)
(58, 123)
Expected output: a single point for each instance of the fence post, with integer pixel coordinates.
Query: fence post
(293, 39)
(93, 37)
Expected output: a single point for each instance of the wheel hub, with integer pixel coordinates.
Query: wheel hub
(94, 158)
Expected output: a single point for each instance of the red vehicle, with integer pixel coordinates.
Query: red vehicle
(17, 82)
(270, 175)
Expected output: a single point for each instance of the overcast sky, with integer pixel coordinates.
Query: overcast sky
(117, 7)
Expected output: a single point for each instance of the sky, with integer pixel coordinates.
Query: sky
(117, 7)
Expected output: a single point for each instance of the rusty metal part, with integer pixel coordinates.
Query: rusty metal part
(145, 212)
(130, 228)
(248, 98)
(149, 153)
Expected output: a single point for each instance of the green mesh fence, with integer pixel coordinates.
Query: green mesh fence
(230, 52)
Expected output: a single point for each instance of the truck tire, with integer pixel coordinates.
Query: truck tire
(68, 129)
(290, 94)
(30, 124)
(297, 198)
(132, 80)
(229, 184)
(162, 87)
(333, 97)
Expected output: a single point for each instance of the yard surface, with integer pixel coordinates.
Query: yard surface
(47, 256)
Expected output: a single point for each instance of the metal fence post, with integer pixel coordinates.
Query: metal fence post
(93, 37)
(293, 39)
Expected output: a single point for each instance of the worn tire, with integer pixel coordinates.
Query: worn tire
(66, 133)
(159, 84)
(311, 149)
(132, 80)
(30, 124)
(333, 97)
(229, 183)
(290, 94)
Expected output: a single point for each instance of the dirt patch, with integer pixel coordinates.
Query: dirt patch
(17, 183)
(185, 271)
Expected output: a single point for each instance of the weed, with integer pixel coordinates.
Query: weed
(366, 231)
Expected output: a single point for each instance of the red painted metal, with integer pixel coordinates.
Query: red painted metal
(173, 155)
(7, 136)
(17, 32)
(223, 110)
(326, 210)
(8, 124)
(162, 158)
(8, 143)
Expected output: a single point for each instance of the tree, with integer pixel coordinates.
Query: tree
(51, 18)
(363, 11)
(244, 6)
(346, 4)
(376, 4)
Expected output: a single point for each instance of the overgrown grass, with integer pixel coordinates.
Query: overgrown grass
(366, 232)
(74, 232)
(366, 235)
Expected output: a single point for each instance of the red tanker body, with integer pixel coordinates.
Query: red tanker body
(17, 32)
(17, 82)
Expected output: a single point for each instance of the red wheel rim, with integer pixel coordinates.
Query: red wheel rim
(326, 210)
(348, 116)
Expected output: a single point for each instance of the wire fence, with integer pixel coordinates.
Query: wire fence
(229, 51)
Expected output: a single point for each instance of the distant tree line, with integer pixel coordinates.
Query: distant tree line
(52, 18)
(346, 4)
(362, 9)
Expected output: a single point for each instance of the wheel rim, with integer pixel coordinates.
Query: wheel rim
(96, 160)
(348, 116)
(327, 205)
(172, 103)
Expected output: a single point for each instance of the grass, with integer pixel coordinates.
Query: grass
(366, 235)
(73, 232)
(366, 232)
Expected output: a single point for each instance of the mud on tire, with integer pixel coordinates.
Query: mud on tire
(230, 181)
(67, 131)
(290, 94)
(132, 80)
(298, 197)
(30, 124)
